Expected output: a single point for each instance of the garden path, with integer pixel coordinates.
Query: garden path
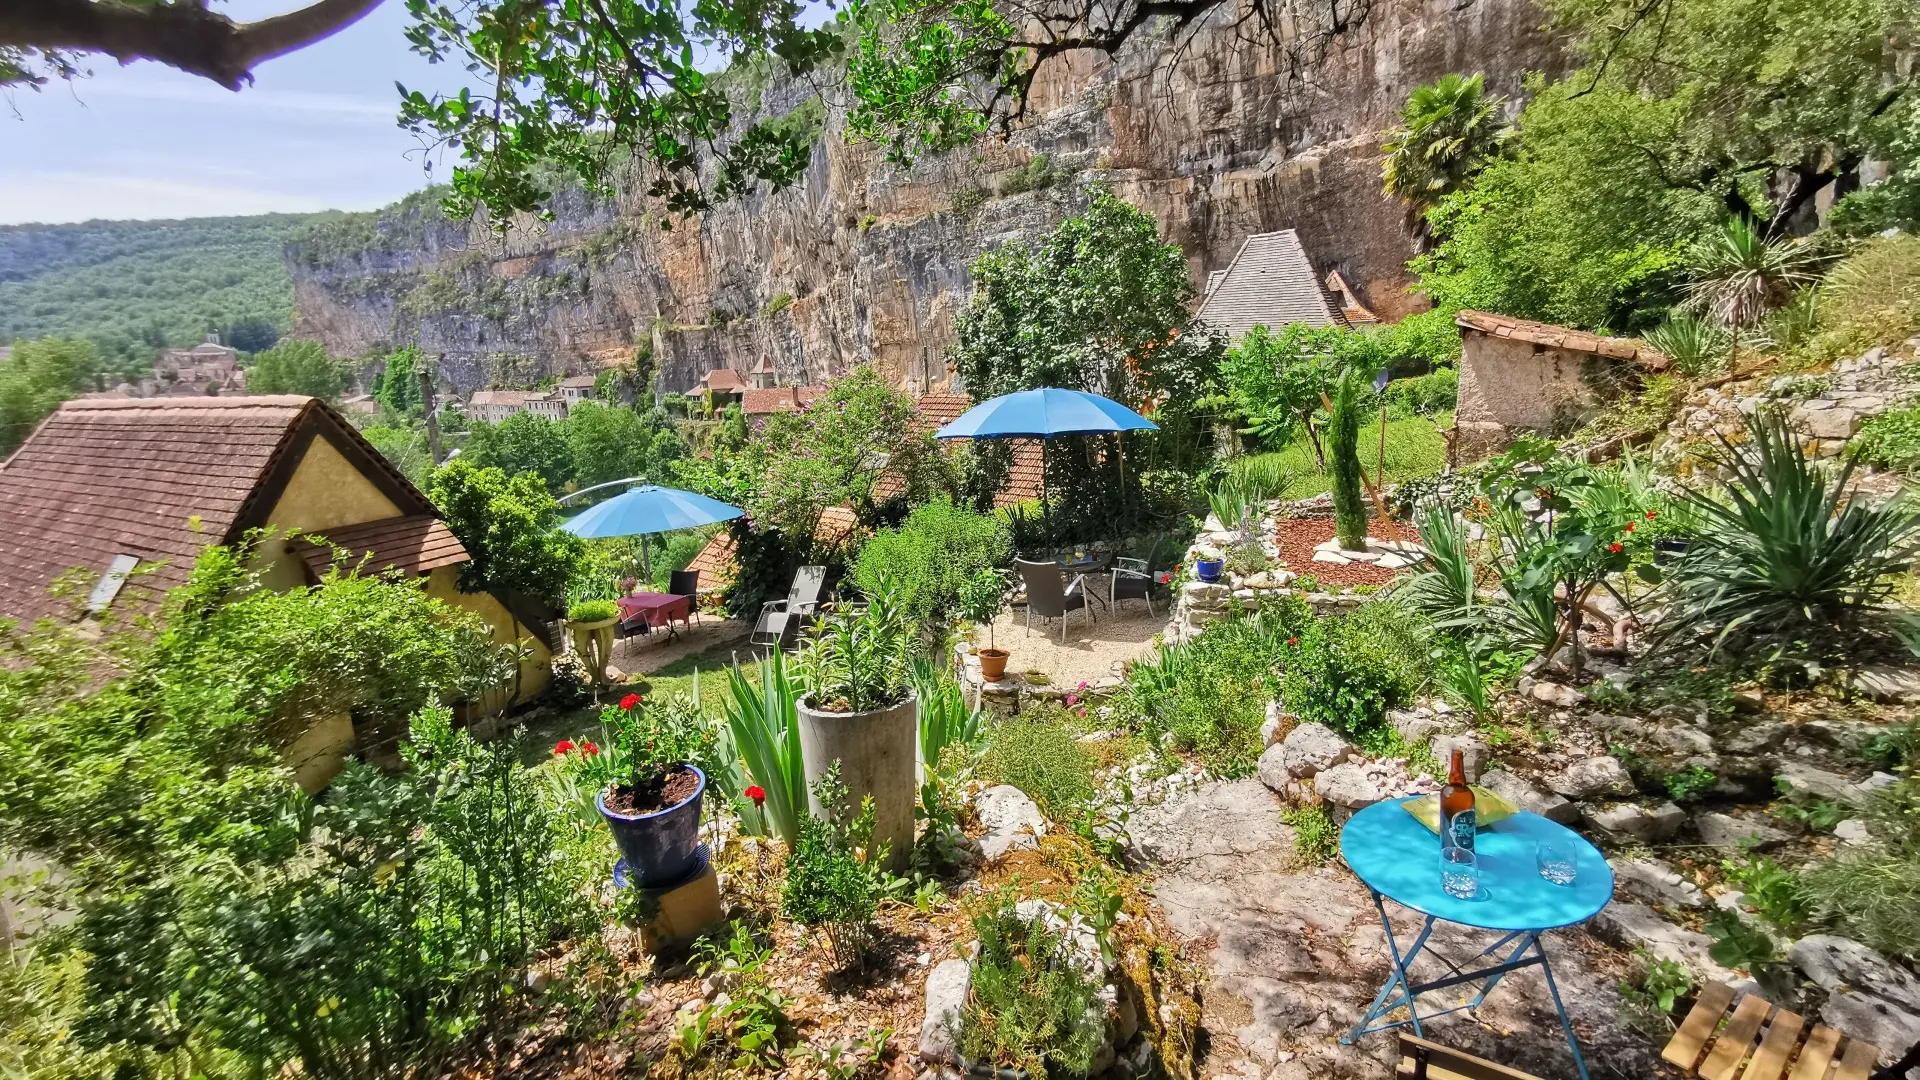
(1090, 652)
(1297, 952)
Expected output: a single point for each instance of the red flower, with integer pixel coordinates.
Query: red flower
(629, 703)
(1615, 547)
(562, 747)
(1293, 641)
(1631, 524)
(588, 748)
(758, 794)
(1651, 515)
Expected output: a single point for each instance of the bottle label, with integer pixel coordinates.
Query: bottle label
(1462, 828)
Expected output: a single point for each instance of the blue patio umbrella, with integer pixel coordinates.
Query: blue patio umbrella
(644, 510)
(1042, 414)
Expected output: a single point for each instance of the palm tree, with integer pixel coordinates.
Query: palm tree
(1447, 133)
(1737, 276)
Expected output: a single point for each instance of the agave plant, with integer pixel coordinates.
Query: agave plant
(1443, 590)
(1788, 560)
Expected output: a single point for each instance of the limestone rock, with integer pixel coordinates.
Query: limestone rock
(1889, 685)
(1556, 694)
(1852, 831)
(1012, 821)
(1801, 777)
(1868, 996)
(1273, 769)
(1726, 831)
(1473, 753)
(1348, 786)
(1631, 820)
(1277, 720)
(1601, 775)
(1657, 883)
(1414, 725)
(1638, 926)
(1529, 798)
(947, 987)
(1311, 748)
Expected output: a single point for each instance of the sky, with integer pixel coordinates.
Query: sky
(315, 131)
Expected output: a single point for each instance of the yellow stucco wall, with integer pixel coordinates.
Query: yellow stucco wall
(326, 491)
(442, 584)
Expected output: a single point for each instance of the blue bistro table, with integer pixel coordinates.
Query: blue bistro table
(1398, 859)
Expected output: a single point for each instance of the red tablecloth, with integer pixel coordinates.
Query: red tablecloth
(659, 609)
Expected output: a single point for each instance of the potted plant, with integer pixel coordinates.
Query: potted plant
(591, 622)
(982, 599)
(1208, 563)
(652, 803)
(857, 707)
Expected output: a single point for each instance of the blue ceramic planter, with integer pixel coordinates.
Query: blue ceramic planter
(659, 848)
(1208, 570)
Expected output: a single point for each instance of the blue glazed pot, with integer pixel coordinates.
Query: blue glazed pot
(1208, 570)
(659, 848)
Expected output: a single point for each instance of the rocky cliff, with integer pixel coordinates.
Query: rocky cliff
(865, 260)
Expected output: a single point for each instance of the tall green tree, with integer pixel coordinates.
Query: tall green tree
(39, 376)
(398, 388)
(1102, 303)
(510, 525)
(613, 442)
(1448, 132)
(298, 366)
(523, 443)
(1343, 453)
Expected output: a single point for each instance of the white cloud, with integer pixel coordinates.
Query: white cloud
(49, 196)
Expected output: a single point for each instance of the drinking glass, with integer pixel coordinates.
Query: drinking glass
(1556, 861)
(1459, 872)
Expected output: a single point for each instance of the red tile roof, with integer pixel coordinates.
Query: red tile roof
(411, 544)
(1023, 475)
(722, 381)
(780, 399)
(158, 479)
(716, 564)
(1561, 337)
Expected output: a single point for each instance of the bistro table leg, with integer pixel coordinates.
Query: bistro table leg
(1566, 1022)
(1398, 977)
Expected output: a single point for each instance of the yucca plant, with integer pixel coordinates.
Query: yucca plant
(1788, 560)
(1443, 590)
(766, 731)
(1739, 274)
(1696, 346)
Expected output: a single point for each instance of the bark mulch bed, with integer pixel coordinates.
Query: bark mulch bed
(1298, 537)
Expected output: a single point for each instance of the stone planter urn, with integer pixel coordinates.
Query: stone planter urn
(877, 752)
(594, 642)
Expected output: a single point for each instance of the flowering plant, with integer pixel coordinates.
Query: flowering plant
(656, 738)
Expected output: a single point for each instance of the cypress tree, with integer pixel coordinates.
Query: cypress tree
(1343, 437)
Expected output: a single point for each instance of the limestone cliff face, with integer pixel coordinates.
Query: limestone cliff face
(863, 260)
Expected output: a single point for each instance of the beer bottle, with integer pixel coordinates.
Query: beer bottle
(1456, 806)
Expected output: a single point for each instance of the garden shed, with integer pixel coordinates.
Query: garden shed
(1517, 375)
(123, 494)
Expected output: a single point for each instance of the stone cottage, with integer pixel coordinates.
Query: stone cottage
(1517, 375)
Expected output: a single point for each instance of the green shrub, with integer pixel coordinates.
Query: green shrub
(1871, 893)
(1648, 997)
(933, 556)
(1033, 1006)
(1208, 696)
(828, 887)
(1696, 346)
(1891, 440)
(1038, 755)
(1347, 672)
(1435, 392)
(1873, 298)
(1316, 839)
(592, 611)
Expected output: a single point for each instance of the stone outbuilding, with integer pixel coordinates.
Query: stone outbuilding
(1517, 375)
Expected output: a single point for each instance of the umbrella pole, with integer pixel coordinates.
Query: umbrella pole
(646, 559)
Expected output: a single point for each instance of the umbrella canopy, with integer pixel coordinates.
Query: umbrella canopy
(649, 509)
(1039, 414)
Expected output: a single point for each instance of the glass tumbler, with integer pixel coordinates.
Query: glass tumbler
(1459, 872)
(1556, 861)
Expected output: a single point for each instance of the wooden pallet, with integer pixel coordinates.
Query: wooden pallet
(1764, 1038)
(1423, 1060)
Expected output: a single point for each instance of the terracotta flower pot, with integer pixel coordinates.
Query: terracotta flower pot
(993, 664)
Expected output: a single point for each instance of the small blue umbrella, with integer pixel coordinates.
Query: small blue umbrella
(648, 509)
(1042, 414)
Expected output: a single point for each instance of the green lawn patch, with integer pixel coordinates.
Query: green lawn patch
(1415, 448)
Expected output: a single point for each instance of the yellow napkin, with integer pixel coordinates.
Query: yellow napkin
(1487, 809)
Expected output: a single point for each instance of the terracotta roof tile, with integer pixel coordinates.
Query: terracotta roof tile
(722, 381)
(156, 478)
(780, 399)
(718, 569)
(411, 544)
(1561, 337)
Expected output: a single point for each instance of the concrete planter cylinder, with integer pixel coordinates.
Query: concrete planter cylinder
(876, 751)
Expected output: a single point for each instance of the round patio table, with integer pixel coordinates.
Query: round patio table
(1398, 859)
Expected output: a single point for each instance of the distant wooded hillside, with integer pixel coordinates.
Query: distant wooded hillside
(133, 287)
